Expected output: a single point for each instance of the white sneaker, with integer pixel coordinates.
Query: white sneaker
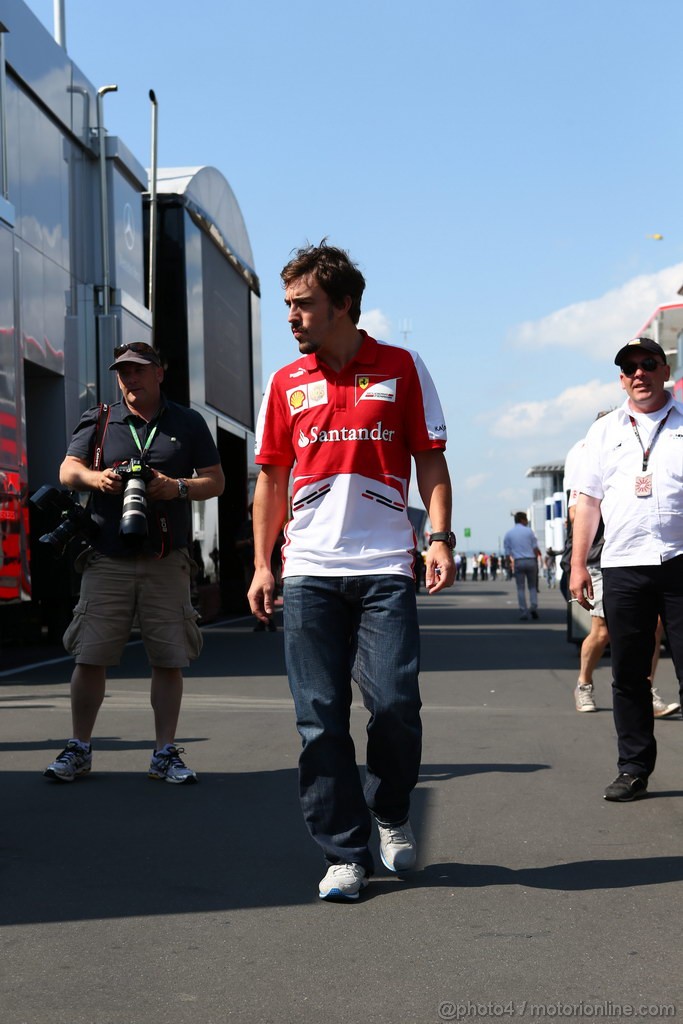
(583, 696)
(397, 847)
(168, 766)
(660, 709)
(342, 882)
(74, 760)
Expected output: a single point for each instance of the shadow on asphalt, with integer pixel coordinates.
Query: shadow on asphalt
(454, 638)
(443, 772)
(578, 876)
(116, 844)
(530, 648)
(100, 743)
(478, 645)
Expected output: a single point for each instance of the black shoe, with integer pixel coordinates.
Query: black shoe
(534, 613)
(626, 787)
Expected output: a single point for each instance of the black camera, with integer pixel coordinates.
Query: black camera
(76, 521)
(136, 474)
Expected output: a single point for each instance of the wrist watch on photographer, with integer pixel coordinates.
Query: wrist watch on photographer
(183, 489)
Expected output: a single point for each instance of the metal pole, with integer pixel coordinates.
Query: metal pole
(59, 22)
(153, 216)
(4, 174)
(104, 208)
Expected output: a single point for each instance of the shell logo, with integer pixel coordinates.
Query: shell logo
(297, 399)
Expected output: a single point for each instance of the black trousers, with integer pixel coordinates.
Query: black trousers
(633, 598)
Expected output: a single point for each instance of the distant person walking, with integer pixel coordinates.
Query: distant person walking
(522, 549)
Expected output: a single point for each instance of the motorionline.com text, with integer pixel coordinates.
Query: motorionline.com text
(606, 1010)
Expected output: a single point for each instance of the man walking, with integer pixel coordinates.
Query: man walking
(595, 643)
(522, 548)
(632, 476)
(345, 418)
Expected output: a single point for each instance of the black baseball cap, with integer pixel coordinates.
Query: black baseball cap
(135, 352)
(639, 345)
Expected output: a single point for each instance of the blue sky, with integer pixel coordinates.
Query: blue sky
(494, 166)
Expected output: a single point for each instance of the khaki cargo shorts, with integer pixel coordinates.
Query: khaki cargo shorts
(152, 593)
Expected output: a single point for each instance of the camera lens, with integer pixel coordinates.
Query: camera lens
(133, 526)
(60, 537)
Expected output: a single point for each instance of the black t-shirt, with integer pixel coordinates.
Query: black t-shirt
(181, 444)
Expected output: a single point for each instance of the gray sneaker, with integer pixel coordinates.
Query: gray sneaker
(397, 847)
(342, 882)
(73, 761)
(168, 766)
(583, 697)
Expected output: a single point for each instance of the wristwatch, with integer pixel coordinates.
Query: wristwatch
(448, 537)
(183, 489)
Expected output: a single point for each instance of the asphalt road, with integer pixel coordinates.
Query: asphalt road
(127, 901)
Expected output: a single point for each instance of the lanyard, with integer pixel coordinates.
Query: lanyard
(148, 442)
(660, 428)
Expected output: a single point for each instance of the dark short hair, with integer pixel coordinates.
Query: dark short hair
(333, 269)
(521, 517)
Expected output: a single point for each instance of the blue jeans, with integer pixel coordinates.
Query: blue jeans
(339, 629)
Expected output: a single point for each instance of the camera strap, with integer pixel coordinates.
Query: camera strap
(100, 431)
(162, 523)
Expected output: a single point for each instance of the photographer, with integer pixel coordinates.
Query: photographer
(140, 575)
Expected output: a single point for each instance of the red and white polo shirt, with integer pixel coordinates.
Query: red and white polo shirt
(349, 437)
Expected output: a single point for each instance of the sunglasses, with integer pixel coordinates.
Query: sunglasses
(141, 347)
(648, 364)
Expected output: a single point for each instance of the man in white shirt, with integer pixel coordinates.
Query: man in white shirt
(632, 474)
(593, 646)
(522, 548)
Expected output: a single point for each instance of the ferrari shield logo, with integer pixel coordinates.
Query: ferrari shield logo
(373, 388)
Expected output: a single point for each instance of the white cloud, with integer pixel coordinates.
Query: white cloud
(376, 323)
(474, 482)
(569, 413)
(600, 326)
(514, 496)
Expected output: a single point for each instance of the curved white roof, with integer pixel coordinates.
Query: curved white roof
(207, 194)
